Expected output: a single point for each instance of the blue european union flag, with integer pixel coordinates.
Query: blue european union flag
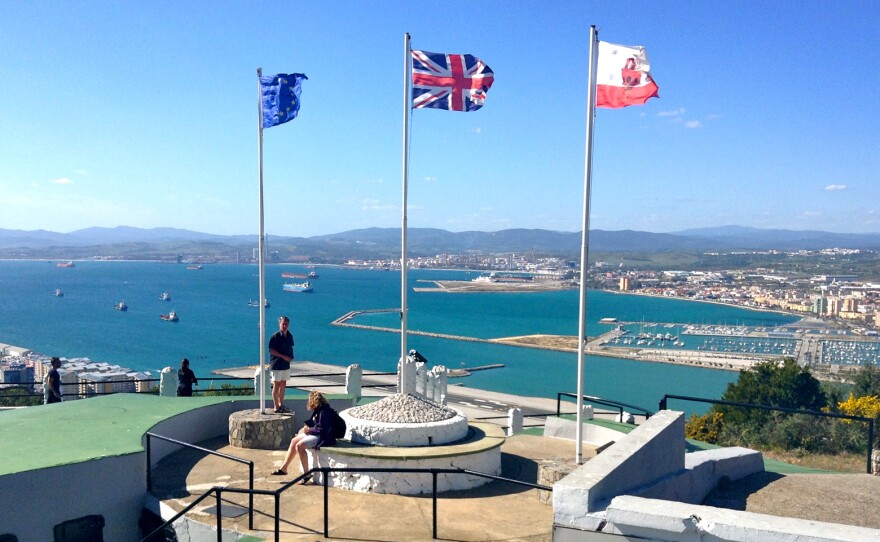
(280, 97)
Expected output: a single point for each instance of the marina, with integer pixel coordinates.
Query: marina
(736, 347)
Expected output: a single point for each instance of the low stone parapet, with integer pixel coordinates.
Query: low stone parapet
(480, 451)
(551, 471)
(269, 431)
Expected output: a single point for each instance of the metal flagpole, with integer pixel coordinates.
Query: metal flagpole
(262, 250)
(585, 237)
(407, 75)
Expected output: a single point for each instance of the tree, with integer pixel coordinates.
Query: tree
(772, 383)
(18, 396)
(867, 381)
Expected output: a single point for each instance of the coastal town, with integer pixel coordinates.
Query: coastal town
(845, 301)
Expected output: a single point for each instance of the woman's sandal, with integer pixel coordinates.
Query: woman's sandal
(279, 472)
(306, 479)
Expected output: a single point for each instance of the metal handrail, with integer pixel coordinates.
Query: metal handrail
(600, 401)
(247, 462)
(325, 471)
(789, 410)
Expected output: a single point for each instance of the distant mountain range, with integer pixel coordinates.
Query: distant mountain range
(385, 242)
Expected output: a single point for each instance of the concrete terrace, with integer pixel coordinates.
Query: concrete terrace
(81, 457)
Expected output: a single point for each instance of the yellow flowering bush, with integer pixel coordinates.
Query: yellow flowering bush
(867, 406)
(705, 428)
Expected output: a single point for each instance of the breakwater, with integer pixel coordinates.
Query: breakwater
(345, 320)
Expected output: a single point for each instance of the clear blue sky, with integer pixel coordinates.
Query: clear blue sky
(145, 114)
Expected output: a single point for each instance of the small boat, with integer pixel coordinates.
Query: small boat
(312, 275)
(121, 306)
(195, 267)
(293, 275)
(65, 264)
(255, 303)
(58, 292)
(165, 296)
(170, 317)
(302, 287)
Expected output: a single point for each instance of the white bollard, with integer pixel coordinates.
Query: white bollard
(168, 383)
(353, 377)
(514, 421)
(422, 380)
(587, 413)
(441, 382)
(267, 380)
(406, 376)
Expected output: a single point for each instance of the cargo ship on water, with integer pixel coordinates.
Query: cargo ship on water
(301, 287)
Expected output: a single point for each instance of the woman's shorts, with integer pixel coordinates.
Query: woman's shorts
(281, 375)
(309, 441)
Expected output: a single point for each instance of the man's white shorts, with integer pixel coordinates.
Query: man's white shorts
(281, 375)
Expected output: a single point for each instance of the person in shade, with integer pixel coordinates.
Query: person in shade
(185, 379)
(317, 432)
(280, 356)
(52, 384)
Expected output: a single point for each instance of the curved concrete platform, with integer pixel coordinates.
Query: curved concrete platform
(479, 451)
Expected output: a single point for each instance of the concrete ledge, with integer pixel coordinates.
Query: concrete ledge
(652, 451)
(680, 522)
(480, 452)
(595, 435)
(481, 437)
(703, 470)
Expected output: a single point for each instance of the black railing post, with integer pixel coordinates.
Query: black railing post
(434, 498)
(251, 498)
(663, 403)
(278, 516)
(149, 462)
(219, 519)
(870, 443)
(558, 403)
(324, 475)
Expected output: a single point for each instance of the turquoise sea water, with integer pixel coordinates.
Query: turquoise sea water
(217, 329)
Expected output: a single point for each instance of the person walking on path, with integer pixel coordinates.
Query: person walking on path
(317, 432)
(185, 379)
(280, 356)
(52, 384)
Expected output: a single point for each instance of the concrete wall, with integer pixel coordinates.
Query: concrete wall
(487, 461)
(647, 488)
(35, 501)
(594, 435)
(652, 451)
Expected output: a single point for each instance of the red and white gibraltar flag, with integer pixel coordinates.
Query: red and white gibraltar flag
(622, 76)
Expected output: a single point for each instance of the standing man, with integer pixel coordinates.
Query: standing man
(185, 379)
(280, 356)
(52, 384)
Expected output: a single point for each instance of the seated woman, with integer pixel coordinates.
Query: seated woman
(317, 432)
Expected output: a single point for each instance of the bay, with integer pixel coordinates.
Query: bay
(217, 328)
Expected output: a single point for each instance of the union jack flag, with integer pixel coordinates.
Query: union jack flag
(451, 82)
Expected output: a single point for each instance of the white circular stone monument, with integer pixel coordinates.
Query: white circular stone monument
(404, 420)
(410, 432)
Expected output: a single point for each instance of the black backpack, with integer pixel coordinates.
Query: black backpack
(339, 427)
